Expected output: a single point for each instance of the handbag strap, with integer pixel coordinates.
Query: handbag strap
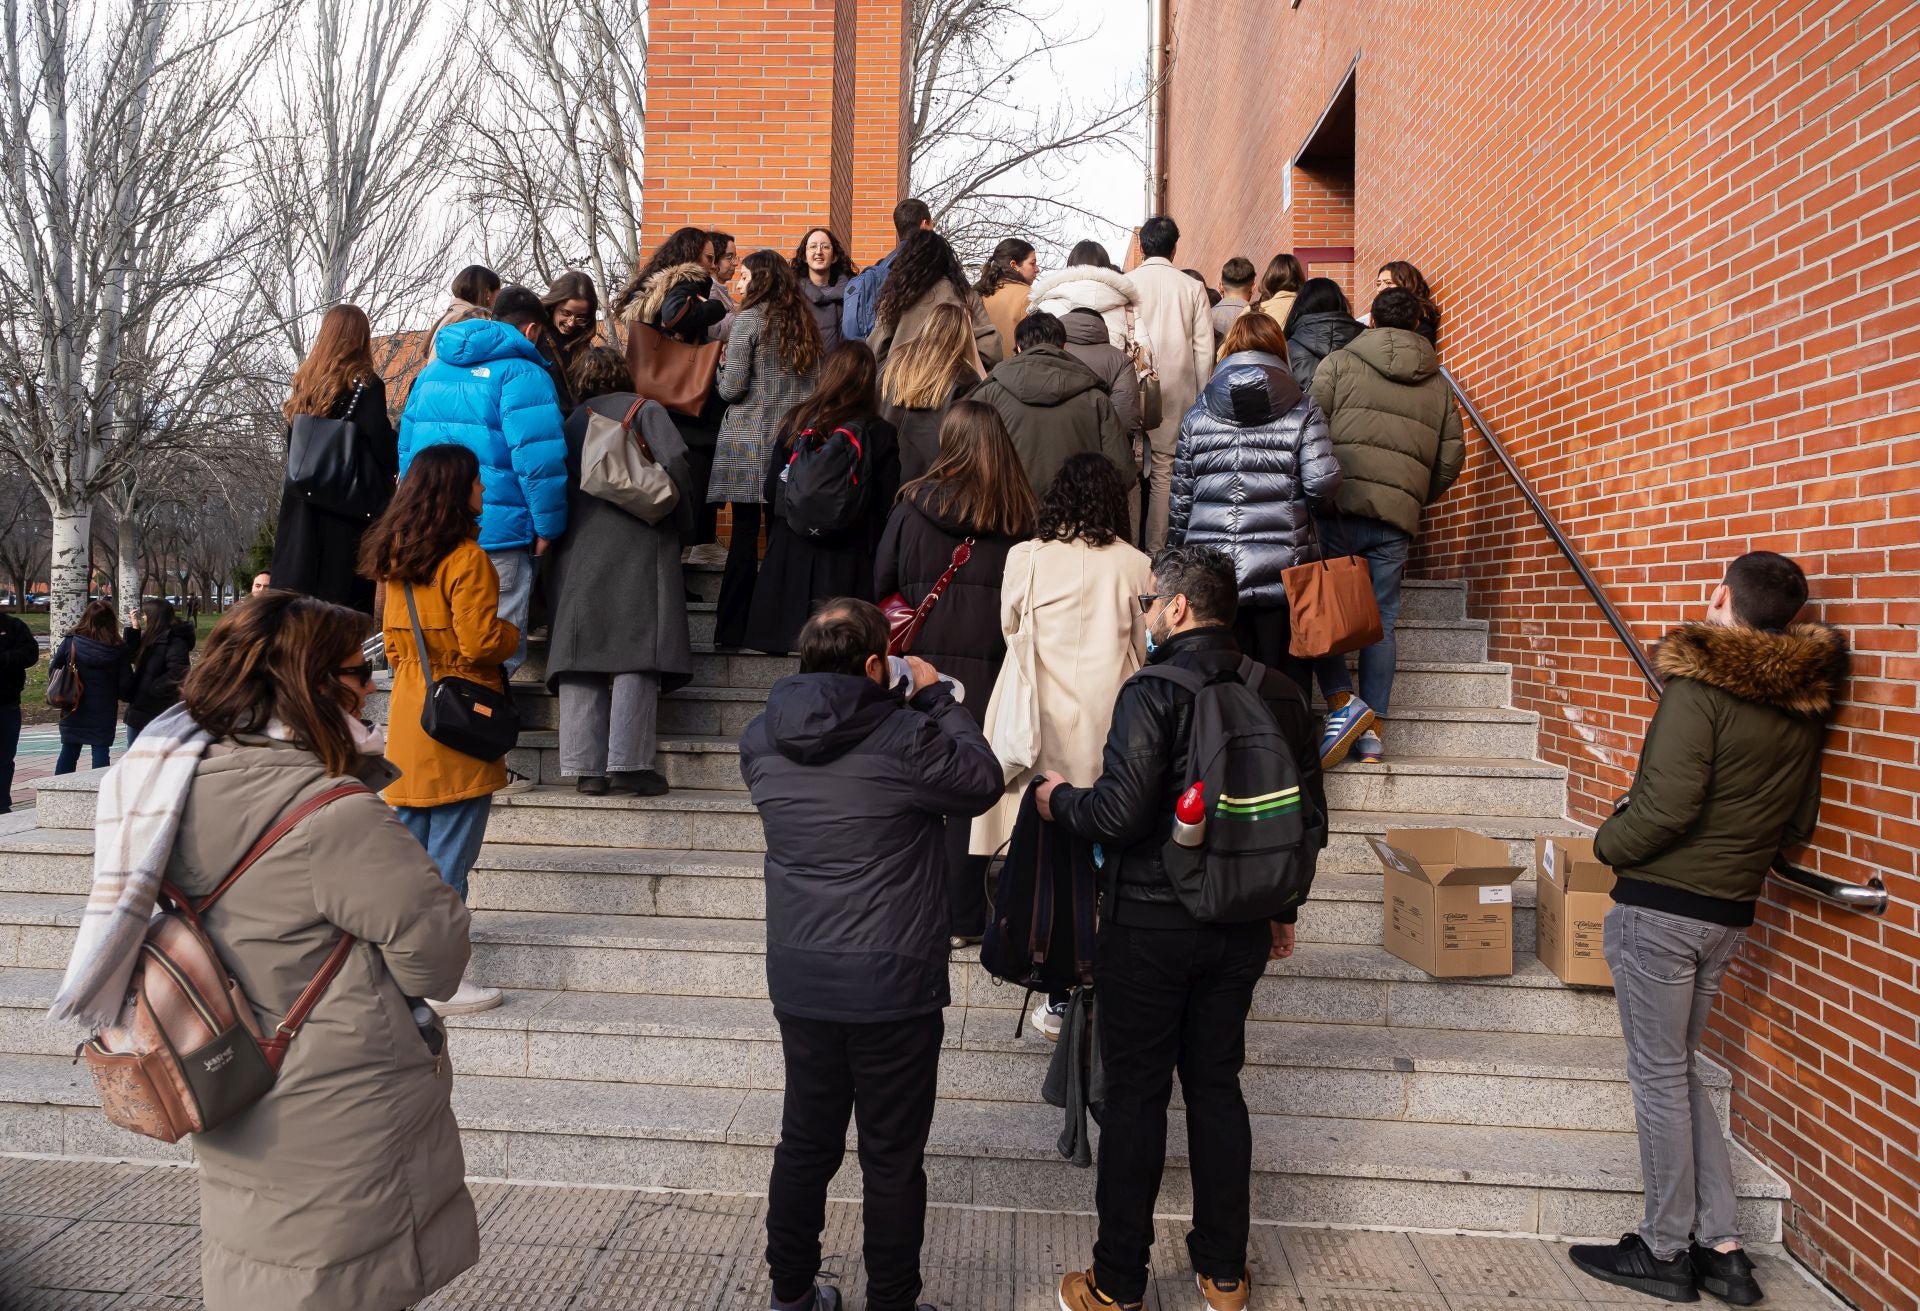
(627, 426)
(419, 638)
(961, 554)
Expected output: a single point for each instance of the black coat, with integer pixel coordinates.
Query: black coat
(800, 572)
(1313, 337)
(1253, 451)
(857, 929)
(920, 429)
(19, 652)
(962, 636)
(316, 552)
(152, 681)
(1129, 811)
(96, 719)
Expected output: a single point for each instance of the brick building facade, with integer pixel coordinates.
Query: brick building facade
(769, 118)
(1678, 251)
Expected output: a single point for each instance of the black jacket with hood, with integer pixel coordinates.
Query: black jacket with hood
(152, 682)
(1313, 337)
(1129, 811)
(1253, 451)
(852, 786)
(1055, 407)
(19, 652)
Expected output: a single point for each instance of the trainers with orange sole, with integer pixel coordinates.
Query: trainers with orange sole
(1078, 1293)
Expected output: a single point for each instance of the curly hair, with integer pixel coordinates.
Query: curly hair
(1002, 268)
(796, 336)
(842, 266)
(429, 516)
(1087, 500)
(924, 261)
(682, 247)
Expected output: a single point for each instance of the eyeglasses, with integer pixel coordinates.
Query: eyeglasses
(361, 673)
(1146, 600)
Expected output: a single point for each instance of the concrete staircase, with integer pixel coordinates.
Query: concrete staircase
(636, 1045)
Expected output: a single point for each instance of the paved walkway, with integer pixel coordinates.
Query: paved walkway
(39, 752)
(80, 1235)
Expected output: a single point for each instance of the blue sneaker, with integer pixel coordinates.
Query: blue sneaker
(1369, 748)
(1345, 723)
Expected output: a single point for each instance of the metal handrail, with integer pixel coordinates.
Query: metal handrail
(1869, 898)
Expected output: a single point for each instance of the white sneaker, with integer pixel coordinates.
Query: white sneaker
(467, 999)
(1047, 1017)
(516, 784)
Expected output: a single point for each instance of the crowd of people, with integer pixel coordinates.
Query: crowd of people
(1083, 486)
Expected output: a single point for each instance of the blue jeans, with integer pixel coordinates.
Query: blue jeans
(69, 759)
(452, 835)
(515, 568)
(1384, 548)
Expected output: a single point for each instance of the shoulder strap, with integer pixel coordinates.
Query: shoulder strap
(419, 638)
(1174, 674)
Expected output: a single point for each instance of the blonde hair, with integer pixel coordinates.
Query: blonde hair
(919, 375)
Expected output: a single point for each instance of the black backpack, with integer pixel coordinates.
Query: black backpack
(823, 490)
(1250, 860)
(1041, 937)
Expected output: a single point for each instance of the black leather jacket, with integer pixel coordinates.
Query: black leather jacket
(1129, 811)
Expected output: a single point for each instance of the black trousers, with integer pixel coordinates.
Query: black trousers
(9, 744)
(883, 1075)
(736, 582)
(1174, 999)
(1263, 632)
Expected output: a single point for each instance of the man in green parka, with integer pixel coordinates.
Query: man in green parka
(1729, 778)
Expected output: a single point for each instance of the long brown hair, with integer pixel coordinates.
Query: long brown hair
(1406, 277)
(98, 622)
(277, 656)
(796, 335)
(1284, 273)
(924, 262)
(157, 617)
(573, 285)
(342, 356)
(847, 390)
(977, 478)
(920, 375)
(427, 518)
(684, 246)
(1255, 332)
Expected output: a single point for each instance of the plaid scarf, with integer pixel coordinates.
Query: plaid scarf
(135, 822)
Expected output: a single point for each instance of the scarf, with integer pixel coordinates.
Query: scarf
(135, 821)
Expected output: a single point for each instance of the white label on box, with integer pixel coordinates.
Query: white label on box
(1388, 855)
(1546, 860)
(1502, 895)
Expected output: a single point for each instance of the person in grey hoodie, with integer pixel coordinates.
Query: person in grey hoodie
(1054, 406)
(857, 935)
(1088, 342)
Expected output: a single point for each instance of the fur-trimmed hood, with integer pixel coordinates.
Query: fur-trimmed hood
(1799, 670)
(645, 304)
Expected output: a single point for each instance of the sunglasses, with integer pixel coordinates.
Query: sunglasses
(1146, 600)
(361, 673)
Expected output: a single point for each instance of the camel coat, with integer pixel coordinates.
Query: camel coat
(1178, 320)
(1006, 307)
(342, 1189)
(1069, 608)
(465, 638)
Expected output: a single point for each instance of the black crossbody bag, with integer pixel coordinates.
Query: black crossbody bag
(472, 718)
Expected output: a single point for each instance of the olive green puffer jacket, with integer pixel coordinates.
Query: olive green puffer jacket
(1396, 432)
(1729, 774)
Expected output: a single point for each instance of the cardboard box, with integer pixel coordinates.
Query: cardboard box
(1448, 899)
(1575, 896)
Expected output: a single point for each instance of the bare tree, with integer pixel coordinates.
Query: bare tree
(987, 163)
(24, 535)
(117, 135)
(555, 168)
(348, 142)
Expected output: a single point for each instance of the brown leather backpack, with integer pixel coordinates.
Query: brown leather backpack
(186, 1054)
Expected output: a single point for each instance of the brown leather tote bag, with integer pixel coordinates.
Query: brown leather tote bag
(1332, 604)
(677, 374)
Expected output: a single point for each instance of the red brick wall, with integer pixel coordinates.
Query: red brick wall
(767, 117)
(1678, 250)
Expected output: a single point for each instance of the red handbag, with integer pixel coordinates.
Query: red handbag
(904, 621)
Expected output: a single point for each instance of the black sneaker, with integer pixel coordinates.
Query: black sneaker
(592, 785)
(1630, 1264)
(1727, 1275)
(823, 1297)
(640, 782)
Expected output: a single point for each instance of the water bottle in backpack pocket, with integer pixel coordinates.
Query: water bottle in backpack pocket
(823, 490)
(1239, 849)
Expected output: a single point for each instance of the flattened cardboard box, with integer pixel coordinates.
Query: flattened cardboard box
(1576, 892)
(1448, 897)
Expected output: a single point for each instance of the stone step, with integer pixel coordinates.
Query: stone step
(1307, 1169)
(1438, 1076)
(1432, 598)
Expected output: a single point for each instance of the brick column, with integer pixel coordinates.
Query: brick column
(879, 125)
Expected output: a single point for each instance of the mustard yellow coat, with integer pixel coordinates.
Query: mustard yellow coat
(465, 638)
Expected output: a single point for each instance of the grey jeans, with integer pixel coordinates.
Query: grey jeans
(608, 722)
(515, 571)
(1666, 976)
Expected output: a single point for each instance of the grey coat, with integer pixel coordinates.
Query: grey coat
(1087, 341)
(1253, 450)
(619, 602)
(759, 390)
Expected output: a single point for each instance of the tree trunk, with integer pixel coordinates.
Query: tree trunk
(130, 575)
(68, 571)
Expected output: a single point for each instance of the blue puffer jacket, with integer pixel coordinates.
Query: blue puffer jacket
(1253, 451)
(488, 390)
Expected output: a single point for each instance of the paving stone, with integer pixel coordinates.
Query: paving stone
(21, 1234)
(164, 1195)
(972, 1289)
(155, 1302)
(63, 1188)
(1053, 1241)
(620, 1281)
(966, 1239)
(1355, 1259)
(1461, 1264)
(1339, 1299)
(558, 1217)
(50, 1299)
(178, 1275)
(695, 1224)
(511, 1278)
(101, 1257)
